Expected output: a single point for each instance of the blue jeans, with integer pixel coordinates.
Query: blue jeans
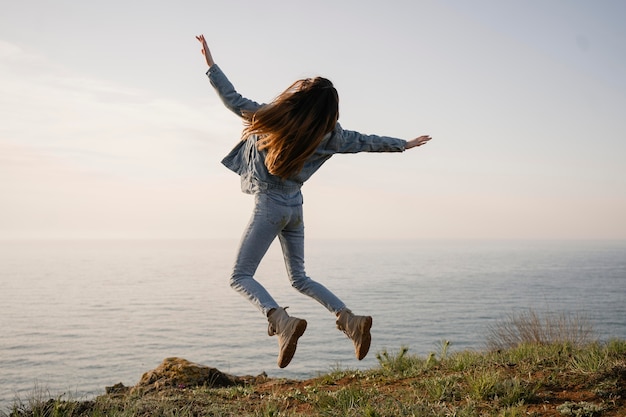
(270, 219)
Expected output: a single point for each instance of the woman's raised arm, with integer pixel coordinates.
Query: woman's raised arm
(206, 51)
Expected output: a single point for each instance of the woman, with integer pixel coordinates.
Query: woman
(283, 144)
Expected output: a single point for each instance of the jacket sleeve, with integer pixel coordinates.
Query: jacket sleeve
(234, 101)
(349, 141)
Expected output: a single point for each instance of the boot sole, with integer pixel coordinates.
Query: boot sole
(366, 340)
(292, 344)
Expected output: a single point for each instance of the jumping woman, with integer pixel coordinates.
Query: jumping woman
(283, 143)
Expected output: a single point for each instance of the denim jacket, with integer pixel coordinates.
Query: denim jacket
(246, 160)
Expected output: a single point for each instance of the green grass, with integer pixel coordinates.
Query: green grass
(530, 378)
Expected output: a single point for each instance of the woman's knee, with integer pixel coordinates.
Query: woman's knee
(236, 280)
(300, 283)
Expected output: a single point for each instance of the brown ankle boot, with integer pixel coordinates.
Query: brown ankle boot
(356, 328)
(288, 329)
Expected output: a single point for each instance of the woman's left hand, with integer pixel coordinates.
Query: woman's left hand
(417, 141)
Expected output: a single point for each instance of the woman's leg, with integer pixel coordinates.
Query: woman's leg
(255, 242)
(357, 328)
(267, 220)
(292, 242)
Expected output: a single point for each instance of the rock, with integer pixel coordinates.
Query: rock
(118, 388)
(181, 373)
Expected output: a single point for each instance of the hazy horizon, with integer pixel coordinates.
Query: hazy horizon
(110, 128)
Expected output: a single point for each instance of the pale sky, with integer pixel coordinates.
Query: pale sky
(109, 127)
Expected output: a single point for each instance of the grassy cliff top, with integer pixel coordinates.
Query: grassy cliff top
(530, 379)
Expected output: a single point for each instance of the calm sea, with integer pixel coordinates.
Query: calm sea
(77, 316)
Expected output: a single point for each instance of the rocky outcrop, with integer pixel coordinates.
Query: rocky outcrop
(181, 373)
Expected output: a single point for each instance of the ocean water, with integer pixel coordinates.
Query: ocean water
(77, 316)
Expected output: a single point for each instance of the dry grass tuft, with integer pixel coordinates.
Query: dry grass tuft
(529, 327)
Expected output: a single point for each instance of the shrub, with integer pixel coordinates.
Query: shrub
(528, 327)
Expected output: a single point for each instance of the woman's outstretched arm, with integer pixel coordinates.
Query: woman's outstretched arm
(206, 51)
(350, 141)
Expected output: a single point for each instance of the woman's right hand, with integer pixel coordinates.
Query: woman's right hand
(205, 51)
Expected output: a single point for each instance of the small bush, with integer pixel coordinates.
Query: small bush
(530, 328)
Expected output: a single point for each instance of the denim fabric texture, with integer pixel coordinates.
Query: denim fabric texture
(270, 219)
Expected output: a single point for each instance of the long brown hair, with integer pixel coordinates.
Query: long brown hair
(292, 126)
